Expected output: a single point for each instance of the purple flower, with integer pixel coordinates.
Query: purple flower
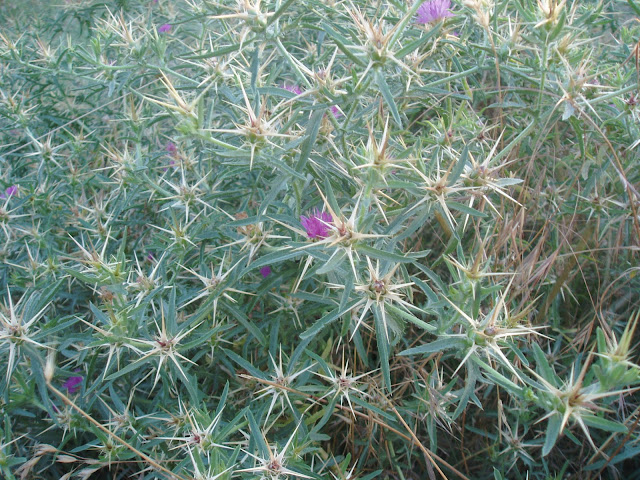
(293, 89)
(433, 10)
(336, 111)
(316, 224)
(73, 384)
(172, 150)
(164, 28)
(265, 271)
(172, 163)
(10, 191)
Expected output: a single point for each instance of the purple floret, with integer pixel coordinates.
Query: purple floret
(293, 89)
(265, 271)
(316, 224)
(73, 384)
(433, 10)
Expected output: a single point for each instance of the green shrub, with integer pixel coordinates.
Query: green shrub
(319, 239)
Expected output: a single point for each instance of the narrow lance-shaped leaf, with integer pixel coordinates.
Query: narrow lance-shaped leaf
(382, 338)
(387, 95)
(553, 431)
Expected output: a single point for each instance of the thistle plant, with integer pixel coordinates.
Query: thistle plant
(268, 239)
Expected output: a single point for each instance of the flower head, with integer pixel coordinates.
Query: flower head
(265, 271)
(9, 192)
(73, 384)
(293, 89)
(172, 149)
(433, 10)
(316, 224)
(164, 28)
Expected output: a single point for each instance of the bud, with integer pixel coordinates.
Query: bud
(50, 366)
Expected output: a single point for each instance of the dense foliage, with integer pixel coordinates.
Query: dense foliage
(319, 239)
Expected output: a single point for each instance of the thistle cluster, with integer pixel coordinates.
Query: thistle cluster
(268, 239)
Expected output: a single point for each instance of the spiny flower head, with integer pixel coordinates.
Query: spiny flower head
(316, 224)
(433, 10)
(73, 384)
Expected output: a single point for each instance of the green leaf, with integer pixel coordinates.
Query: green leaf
(189, 381)
(341, 42)
(257, 436)
(311, 134)
(428, 291)
(409, 317)
(382, 338)
(496, 376)
(448, 79)
(128, 369)
(346, 295)
(331, 197)
(56, 325)
(553, 431)
(37, 372)
(542, 365)
(217, 53)
(371, 475)
(328, 411)
(411, 46)
(560, 22)
(465, 209)
(603, 424)
(505, 182)
(378, 411)
(628, 452)
(246, 323)
(244, 364)
(332, 316)
(277, 185)
(515, 141)
(201, 338)
(445, 343)
(284, 168)
(635, 7)
(273, 258)
(433, 276)
(388, 97)
(334, 262)
(382, 255)
(459, 168)
(469, 389)
(278, 13)
(91, 280)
